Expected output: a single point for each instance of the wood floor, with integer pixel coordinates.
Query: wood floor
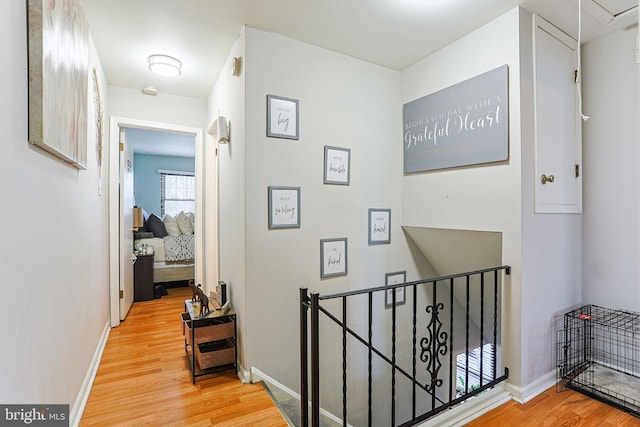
(144, 378)
(553, 409)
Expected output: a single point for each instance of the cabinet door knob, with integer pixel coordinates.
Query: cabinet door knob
(544, 178)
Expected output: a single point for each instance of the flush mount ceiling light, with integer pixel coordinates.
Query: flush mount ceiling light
(165, 65)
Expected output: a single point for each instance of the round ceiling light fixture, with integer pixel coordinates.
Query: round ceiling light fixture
(165, 65)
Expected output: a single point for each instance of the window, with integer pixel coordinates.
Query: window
(177, 192)
(487, 358)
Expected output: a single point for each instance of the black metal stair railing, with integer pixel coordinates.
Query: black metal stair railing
(432, 391)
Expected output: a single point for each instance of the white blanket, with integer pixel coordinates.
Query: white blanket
(157, 244)
(170, 248)
(179, 248)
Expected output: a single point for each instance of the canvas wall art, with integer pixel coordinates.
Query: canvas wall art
(464, 124)
(58, 79)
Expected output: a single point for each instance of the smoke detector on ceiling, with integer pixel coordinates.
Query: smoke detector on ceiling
(150, 90)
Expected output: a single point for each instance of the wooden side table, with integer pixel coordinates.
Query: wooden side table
(209, 340)
(143, 278)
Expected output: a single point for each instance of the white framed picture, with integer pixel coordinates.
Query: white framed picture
(379, 226)
(337, 165)
(391, 279)
(333, 257)
(284, 207)
(282, 117)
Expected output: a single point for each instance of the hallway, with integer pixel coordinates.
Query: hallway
(144, 378)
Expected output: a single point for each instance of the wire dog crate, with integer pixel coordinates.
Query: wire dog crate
(598, 354)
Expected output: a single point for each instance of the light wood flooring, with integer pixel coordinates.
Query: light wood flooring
(144, 378)
(552, 409)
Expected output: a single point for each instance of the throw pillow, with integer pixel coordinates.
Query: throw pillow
(192, 219)
(156, 226)
(171, 225)
(142, 235)
(184, 223)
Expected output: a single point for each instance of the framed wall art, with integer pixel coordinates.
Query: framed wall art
(379, 226)
(58, 43)
(282, 117)
(395, 279)
(337, 165)
(284, 207)
(333, 257)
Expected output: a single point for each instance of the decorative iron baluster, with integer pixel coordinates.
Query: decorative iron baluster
(433, 346)
(415, 351)
(344, 361)
(393, 358)
(452, 383)
(466, 345)
(370, 366)
(495, 323)
(481, 328)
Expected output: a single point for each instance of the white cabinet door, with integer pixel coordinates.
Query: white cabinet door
(557, 125)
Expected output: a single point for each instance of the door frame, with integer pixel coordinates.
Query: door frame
(114, 201)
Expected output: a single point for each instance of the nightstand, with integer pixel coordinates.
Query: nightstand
(143, 278)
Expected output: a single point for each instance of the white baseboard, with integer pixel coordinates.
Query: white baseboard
(257, 375)
(472, 409)
(243, 374)
(528, 392)
(83, 395)
(458, 415)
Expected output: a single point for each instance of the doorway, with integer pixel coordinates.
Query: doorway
(120, 222)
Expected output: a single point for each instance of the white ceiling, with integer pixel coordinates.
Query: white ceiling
(391, 33)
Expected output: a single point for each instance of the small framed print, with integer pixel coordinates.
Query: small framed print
(333, 257)
(379, 226)
(337, 165)
(284, 207)
(282, 117)
(401, 292)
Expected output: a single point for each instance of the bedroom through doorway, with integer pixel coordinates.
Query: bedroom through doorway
(159, 173)
(165, 191)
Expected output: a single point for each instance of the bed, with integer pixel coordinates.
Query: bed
(174, 253)
(173, 257)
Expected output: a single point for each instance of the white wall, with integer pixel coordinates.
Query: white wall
(551, 250)
(342, 102)
(485, 198)
(163, 108)
(54, 250)
(611, 199)
(226, 174)
(544, 251)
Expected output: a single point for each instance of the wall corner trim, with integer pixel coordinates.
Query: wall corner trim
(524, 394)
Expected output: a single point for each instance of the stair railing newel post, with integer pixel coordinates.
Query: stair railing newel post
(315, 360)
(304, 366)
